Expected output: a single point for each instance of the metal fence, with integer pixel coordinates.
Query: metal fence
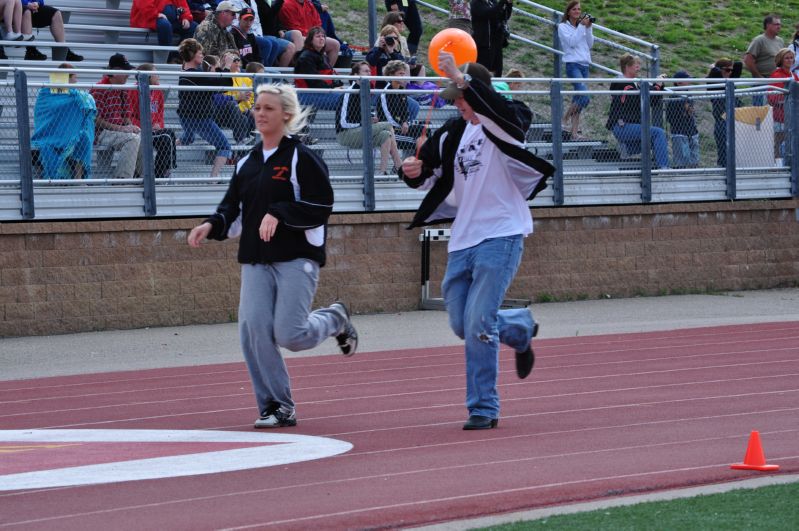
(62, 163)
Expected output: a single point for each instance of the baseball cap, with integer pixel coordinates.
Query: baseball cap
(476, 71)
(119, 62)
(227, 6)
(247, 12)
(682, 74)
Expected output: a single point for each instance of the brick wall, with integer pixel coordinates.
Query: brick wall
(60, 277)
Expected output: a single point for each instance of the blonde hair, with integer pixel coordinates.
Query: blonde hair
(389, 30)
(781, 55)
(290, 104)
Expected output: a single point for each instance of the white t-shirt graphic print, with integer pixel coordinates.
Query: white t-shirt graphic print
(489, 204)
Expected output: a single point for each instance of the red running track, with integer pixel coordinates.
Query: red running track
(599, 417)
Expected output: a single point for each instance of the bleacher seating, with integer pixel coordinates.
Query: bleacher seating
(97, 28)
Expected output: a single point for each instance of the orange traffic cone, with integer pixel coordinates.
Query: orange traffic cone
(755, 459)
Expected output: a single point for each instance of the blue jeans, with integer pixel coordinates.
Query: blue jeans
(270, 48)
(165, 27)
(630, 134)
(685, 150)
(474, 287)
(578, 71)
(207, 129)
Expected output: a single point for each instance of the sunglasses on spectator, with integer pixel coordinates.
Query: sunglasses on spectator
(236, 60)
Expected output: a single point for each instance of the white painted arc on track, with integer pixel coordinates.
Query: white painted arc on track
(278, 449)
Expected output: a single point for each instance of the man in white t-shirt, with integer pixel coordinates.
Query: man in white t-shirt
(480, 178)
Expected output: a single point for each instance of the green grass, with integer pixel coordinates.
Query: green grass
(774, 508)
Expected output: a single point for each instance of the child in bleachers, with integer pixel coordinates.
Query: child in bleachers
(163, 138)
(228, 115)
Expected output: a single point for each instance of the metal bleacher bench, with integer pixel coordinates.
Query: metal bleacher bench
(437, 303)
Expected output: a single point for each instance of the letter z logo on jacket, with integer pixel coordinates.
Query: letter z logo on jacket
(280, 173)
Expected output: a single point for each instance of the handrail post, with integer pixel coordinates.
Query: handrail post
(793, 128)
(372, 21)
(146, 126)
(557, 141)
(24, 129)
(557, 63)
(368, 150)
(646, 144)
(654, 63)
(729, 95)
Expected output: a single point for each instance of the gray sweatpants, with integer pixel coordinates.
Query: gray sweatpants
(275, 311)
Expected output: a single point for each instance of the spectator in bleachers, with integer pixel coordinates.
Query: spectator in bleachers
(624, 118)
(280, 51)
(411, 19)
(759, 56)
(274, 50)
(165, 17)
(395, 108)
(576, 36)
(11, 16)
(196, 107)
(349, 124)
(38, 15)
(682, 123)
(227, 114)
(63, 129)
(722, 69)
(302, 16)
(396, 19)
(490, 31)
(247, 99)
(248, 48)
(213, 34)
(269, 11)
(115, 129)
(312, 60)
(387, 49)
(784, 61)
(165, 159)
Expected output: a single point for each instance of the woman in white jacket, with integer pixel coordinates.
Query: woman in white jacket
(576, 39)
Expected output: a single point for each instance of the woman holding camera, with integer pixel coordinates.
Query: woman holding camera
(387, 49)
(576, 40)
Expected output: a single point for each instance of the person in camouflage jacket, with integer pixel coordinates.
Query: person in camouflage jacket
(213, 32)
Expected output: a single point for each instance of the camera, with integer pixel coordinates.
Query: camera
(584, 16)
(390, 40)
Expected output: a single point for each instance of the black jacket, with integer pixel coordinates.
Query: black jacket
(198, 104)
(488, 21)
(293, 186)
(348, 109)
(438, 154)
(315, 63)
(626, 108)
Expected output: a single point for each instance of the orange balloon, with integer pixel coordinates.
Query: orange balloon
(455, 41)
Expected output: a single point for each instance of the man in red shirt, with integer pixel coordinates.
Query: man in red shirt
(114, 128)
(301, 15)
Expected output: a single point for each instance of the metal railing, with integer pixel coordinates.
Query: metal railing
(748, 157)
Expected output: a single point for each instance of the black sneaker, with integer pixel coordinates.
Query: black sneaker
(347, 338)
(72, 56)
(525, 360)
(3, 55)
(275, 416)
(32, 54)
